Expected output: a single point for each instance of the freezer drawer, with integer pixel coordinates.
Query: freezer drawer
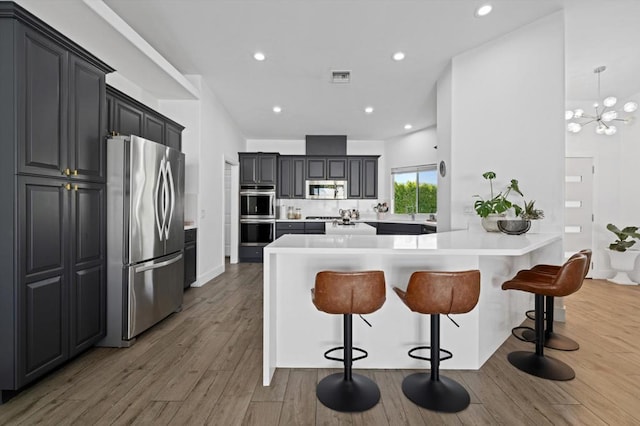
(154, 291)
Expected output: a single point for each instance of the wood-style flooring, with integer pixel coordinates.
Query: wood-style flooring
(204, 365)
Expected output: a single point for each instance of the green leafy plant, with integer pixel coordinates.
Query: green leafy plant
(621, 244)
(528, 212)
(498, 203)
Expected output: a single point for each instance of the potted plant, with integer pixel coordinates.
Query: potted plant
(494, 208)
(622, 256)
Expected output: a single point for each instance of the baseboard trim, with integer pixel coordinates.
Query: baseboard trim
(208, 276)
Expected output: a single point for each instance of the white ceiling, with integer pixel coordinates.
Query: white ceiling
(305, 39)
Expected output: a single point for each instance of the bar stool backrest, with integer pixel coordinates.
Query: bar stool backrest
(571, 276)
(439, 292)
(349, 292)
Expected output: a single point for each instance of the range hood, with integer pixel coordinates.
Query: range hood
(326, 144)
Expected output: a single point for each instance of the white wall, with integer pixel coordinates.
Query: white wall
(616, 194)
(506, 114)
(211, 137)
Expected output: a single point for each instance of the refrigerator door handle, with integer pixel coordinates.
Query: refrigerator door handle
(172, 196)
(142, 268)
(160, 187)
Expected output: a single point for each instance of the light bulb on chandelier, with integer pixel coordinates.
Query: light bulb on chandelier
(603, 115)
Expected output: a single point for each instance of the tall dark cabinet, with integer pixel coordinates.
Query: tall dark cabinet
(52, 210)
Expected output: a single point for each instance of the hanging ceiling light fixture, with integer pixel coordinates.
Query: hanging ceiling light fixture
(605, 113)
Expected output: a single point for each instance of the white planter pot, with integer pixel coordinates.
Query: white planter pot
(490, 223)
(623, 262)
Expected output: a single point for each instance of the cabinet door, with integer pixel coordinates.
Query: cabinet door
(153, 128)
(298, 178)
(370, 178)
(87, 115)
(189, 264)
(88, 262)
(267, 169)
(173, 136)
(248, 168)
(337, 168)
(354, 181)
(285, 177)
(128, 120)
(316, 168)
(42, 104)
(43, 318)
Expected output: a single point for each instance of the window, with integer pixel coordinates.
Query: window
(415, 189)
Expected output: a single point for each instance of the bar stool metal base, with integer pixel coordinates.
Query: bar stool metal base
(541, 366)
(553, 341)
(443, 395)
(358, 394)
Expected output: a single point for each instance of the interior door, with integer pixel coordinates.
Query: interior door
(578, 228)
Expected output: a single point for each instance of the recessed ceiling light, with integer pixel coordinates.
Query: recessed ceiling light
(277, 109)
(368, 110)
(259, 56)
(398, 56)
(483, 10)
(408, 126)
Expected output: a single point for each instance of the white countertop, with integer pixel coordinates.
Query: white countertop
(443, 243)
(331, 228)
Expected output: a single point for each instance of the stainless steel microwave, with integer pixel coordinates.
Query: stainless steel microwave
(326, 189)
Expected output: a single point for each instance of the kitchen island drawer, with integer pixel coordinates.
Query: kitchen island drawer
(250, 253)
(290, 226)
(314, 228)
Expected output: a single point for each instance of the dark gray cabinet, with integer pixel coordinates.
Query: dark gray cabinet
(127, 116)
(190, 254)
(362, 181)
(52, 214)
(316, 168)
(283, 228)
(61, 106)
(291, 177)
(329, 168)
(258, 168)
(394, 228)
(336, 168)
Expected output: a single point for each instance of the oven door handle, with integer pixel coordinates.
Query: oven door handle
(258, 221)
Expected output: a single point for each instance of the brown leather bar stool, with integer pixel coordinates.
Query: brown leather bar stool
(348, 293)
(568, 280)
(438, 293)
(552, 339)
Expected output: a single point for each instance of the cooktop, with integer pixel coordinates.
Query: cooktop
(323, 217)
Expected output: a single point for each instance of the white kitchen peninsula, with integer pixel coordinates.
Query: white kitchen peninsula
(296, 334)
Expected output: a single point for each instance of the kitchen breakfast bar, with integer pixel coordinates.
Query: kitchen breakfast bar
(296, 334)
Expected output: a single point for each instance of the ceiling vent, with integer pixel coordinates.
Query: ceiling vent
(340, 77)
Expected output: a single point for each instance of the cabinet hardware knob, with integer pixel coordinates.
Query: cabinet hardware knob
(75, 173)
(67, 186)
(66, 171)
(75, 187)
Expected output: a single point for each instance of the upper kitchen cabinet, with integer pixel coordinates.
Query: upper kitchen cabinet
(258, 168)
(291, 176)
(329, 168)
(127, 116)
(60, 107)
(362, 181)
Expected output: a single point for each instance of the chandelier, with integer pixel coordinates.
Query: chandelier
(604, 115)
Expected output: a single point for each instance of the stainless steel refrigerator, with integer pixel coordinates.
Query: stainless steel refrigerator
(145, 236)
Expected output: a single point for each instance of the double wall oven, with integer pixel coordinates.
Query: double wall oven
(257, 215)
